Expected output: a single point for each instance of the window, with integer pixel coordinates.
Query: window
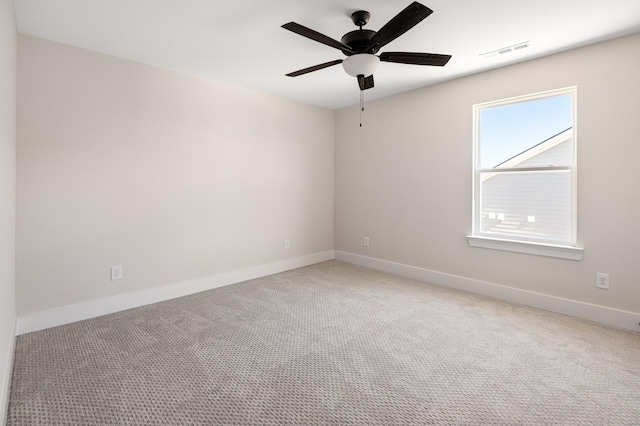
(525, 174)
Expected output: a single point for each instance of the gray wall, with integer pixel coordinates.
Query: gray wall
(405, 178)
(173, 177)
(177, 177)
(7, 193)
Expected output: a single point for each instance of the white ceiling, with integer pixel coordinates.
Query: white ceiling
(241, 42)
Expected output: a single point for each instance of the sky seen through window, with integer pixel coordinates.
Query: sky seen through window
(506, 131)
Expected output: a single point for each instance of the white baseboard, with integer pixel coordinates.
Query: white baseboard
(95, 308)
(5, 379)
(601, 314)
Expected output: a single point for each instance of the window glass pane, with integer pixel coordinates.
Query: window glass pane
(516, 135)
(534, 205)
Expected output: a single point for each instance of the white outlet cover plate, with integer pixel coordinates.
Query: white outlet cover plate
(602, 280)
(116, 273)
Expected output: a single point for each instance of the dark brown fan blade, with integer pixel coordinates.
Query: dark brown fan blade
(365, 82)
(398, 25)
(314, 68)
(415, 58)
(316, 36)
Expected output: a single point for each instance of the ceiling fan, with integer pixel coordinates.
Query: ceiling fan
(360, 46)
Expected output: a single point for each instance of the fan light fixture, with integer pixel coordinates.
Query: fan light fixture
(360, 46)
(364, 64)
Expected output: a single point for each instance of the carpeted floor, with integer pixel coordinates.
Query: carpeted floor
(330, 344)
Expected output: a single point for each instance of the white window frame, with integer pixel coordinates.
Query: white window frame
(522, 244)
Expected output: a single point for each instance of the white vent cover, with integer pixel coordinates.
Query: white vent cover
(505, 50)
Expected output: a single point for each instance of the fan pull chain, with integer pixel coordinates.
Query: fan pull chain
(361, 105)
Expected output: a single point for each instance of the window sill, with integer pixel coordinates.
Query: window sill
(562, 252)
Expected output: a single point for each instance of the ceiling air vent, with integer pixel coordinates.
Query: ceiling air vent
(506, 50)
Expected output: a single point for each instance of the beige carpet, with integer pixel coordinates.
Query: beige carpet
(330, 344)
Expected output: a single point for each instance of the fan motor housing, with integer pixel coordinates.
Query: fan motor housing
(358, 40)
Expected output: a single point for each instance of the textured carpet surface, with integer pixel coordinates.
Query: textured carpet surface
(330, 344)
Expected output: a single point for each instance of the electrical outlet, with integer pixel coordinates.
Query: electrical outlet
(365, 241)
(286, 244)
(602, 280)
(116, 272)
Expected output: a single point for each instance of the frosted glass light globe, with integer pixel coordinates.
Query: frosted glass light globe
(361, 64)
